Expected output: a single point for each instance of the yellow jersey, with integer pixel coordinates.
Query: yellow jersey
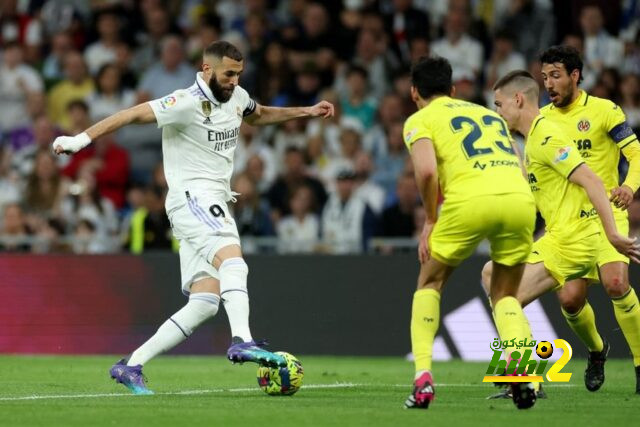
(550, 158)
(599, 129)
(472, 146)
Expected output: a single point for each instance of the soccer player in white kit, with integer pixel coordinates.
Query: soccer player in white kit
(200, 128)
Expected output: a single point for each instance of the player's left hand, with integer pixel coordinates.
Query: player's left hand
(424, 252)
(621, 197)
(323, 109)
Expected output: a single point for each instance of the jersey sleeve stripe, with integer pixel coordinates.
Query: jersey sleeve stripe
(633, 140)
(574, 169)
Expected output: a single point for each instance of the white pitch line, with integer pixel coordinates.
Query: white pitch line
(172, 393)
(236, 390)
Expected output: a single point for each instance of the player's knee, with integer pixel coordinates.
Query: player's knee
(616, 285)
(487, 270)
(572, 302)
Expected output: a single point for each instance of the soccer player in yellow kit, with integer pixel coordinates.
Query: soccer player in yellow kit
(599, 129)
(465, 149)
(569, 195)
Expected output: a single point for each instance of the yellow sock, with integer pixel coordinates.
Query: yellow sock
(627, 311)
(511, 321)
(583, 323)
(425, 319)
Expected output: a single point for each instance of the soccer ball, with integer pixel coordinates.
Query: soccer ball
(281, 381)
(544, 349)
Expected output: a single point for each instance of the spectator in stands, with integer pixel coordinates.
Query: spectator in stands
(372, 194)
(250, 212)
(600, 48)
(463, 52)
(171, 73)
(48, 238)
(275, 74)
(630, 99)
(533, 26)
(419, 47)
(103, 51)
(370, 54)
(18, 82)
(45, 189)
(398, 219)
(109, 96)
(76, 85)
(375, 139)
(79, 119)
(14, 232)
(390, 167)
(251, 143)
(327, 130)
(128, 78)
(61, 44)
(9, 183)
(83, 201)
(503, 59)
(350, 146)
(255, 172)
(347, 221)
(85, 239)
(110, 165)
(157, 25)
(256, 30)
(404, 24)
(40, 138)
(316, 42)
(288, 134)
(294, 175)
(150, 228)
(299, 232)
(356, 101)
(589, 76)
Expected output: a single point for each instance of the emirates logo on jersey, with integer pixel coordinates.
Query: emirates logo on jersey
(584, 125)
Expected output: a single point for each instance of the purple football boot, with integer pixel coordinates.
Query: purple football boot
(253, 351)
(130, 376)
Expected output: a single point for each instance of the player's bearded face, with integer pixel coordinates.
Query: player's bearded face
(222, 93)
(558, 83)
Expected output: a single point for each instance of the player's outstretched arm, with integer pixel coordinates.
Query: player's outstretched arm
(141, 113)
(265, 115)
(584, 177)
(425, 168)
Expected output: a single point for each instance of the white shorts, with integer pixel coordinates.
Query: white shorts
(203, 226)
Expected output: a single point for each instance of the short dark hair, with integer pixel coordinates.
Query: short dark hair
(431, 76)
(511, 77)
(523, 80)
(221, 48)
(566, 55)
(78, 103)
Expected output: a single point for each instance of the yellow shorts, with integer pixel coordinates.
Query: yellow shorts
(506, 220)
(606, 252)
(566, 260)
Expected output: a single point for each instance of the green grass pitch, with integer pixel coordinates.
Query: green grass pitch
(337, 391)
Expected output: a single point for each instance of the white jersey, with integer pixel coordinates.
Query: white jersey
(199, 137)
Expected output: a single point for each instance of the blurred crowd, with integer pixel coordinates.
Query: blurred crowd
(331, 186)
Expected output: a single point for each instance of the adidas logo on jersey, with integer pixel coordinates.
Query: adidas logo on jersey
(207, 121)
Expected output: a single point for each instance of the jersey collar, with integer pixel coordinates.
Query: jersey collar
(205, 89)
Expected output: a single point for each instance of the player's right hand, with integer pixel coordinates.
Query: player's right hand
(424, 253)
(71, 144)
(626, 246)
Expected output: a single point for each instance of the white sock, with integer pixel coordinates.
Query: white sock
(201, 306)
(233, 291)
